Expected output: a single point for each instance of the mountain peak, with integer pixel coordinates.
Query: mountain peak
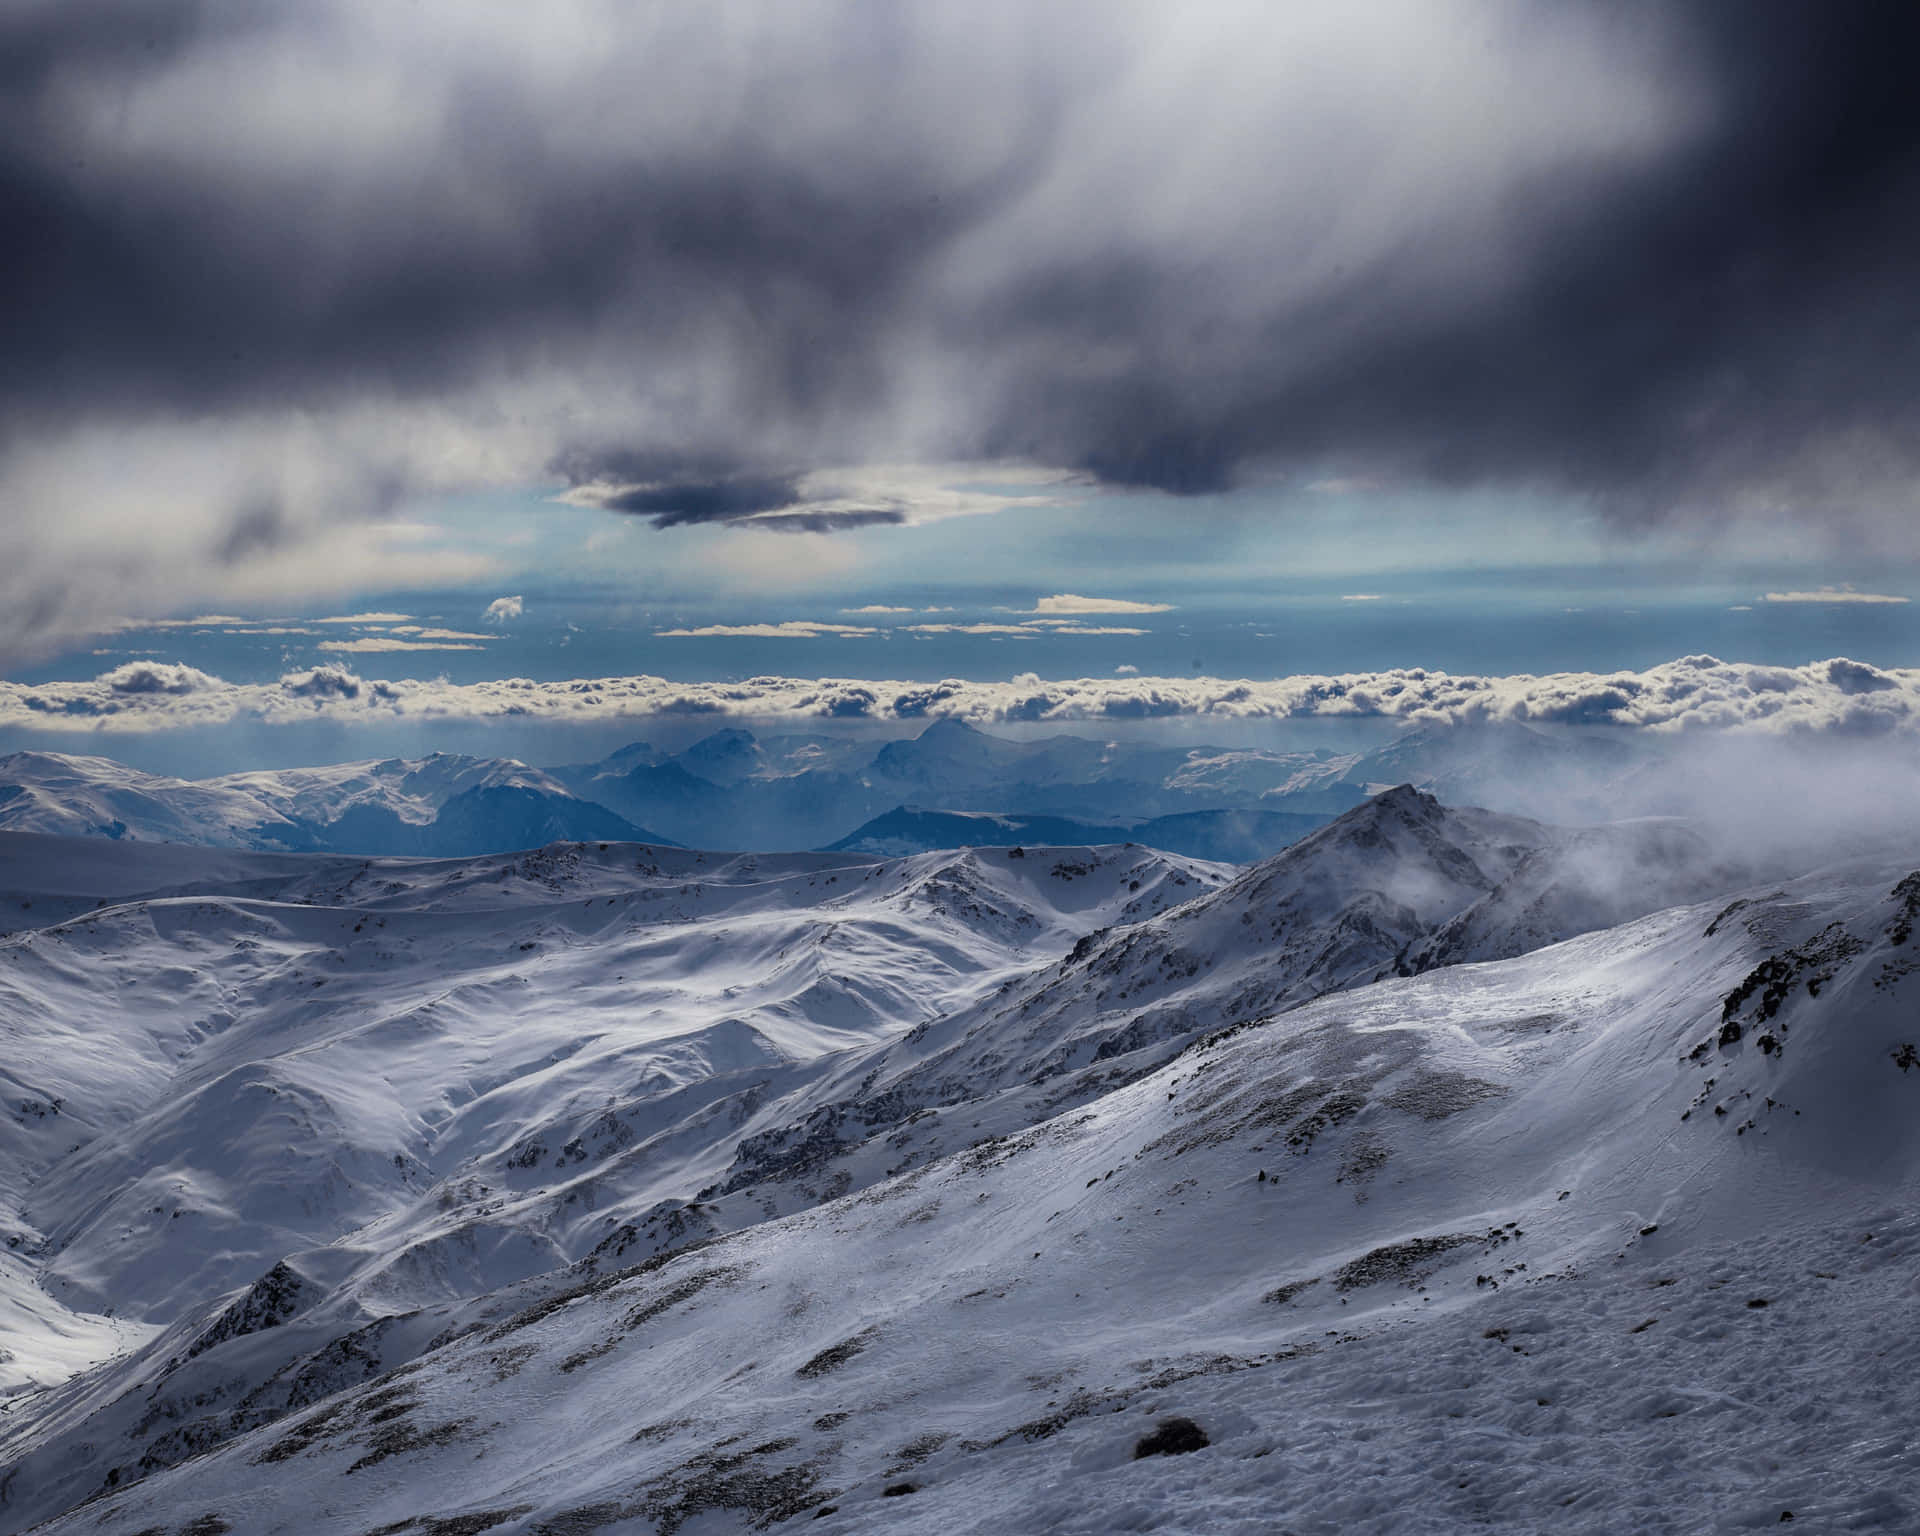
(729, 738)
(1402, 797)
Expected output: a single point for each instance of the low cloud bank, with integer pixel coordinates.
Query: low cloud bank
(1694, 693)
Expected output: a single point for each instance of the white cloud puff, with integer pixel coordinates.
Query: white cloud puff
(1072, 602)
(786, 629)
(504, 609)
(1833, 595)
(379, 644)
(1693, 693)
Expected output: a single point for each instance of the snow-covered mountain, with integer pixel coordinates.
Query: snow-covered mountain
(442, 805)
(815, 791)
(621, 1189)
(734, 790)
(1398, 885)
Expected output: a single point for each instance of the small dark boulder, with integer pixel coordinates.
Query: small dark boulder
(1174, 1437)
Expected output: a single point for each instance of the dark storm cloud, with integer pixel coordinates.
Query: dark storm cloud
(1735, 321)
(703, 501)
(671, 492)
(137, 279)
(1656, 255)
(773, 504)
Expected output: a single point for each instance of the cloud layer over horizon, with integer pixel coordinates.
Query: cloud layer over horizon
(273, 271)
(1690, 695)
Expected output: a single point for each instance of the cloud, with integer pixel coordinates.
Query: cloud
(828, 521)
(1031, 628)
(1069, 602)
(674, 500)
(378, 644)
(201, 621)
(876, 608)
(320, 683)
(1694, 694)
(1832, 595)
(418, 633)
(812, 629)
(984, 628)
(143, 677)
(366, 618)
(1126, 669)
(504, 609)
(279, 270)
(1361, 597)
(789, 629)
(817, 501)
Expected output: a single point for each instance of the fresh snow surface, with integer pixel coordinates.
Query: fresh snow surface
(914, 1195)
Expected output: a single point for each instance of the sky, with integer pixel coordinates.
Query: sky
(446, 344)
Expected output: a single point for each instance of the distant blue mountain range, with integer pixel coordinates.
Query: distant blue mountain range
(949, 786)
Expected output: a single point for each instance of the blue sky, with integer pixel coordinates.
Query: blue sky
(1244, 584)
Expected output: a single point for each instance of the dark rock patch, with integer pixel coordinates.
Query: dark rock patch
(1173, 1437)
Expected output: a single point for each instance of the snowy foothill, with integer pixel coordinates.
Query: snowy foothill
(1446, 1171)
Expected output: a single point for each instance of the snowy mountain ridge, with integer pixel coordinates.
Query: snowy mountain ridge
(622, 1189)
(443, 804)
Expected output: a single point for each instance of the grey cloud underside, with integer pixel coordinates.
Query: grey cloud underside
(1729, 320)
(669, 495)
(699, 501)
(830, 522)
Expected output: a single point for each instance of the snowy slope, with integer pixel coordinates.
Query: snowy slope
(443, 804)
(216, 1059)
(1582, 1240)
(55, 793)
(1397, 885)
